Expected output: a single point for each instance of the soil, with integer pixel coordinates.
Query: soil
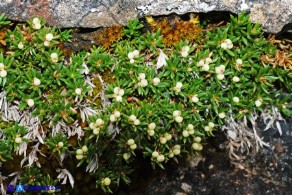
(267, 172)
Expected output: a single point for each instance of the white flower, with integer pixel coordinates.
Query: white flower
(201, 63)
(179, 85)
(197, 146)
(221, 115)
(3, 73)
(117, 114)
(46, 43)
(163, 140)
(99, 122)
(130, 142)
(235, 79)
(133, 147)
(178, 119)
(136, 53)
(84, 149)
(132, 61)
(30, 102)
(106, 181)
(79, 151)
(155, 154)
(119, 98)
(205, 67)
(176, 113)
(37, 26)
(49, 36)
(36, 81)
(190, 127)
(220, 76)
(258, 103)
(132, 118)
(2, 66)
(141, 76)
(195, 99)
(137, 122)
(131, 55)
(185, 133)
(150, 132)
(60, 144)
(20, 45)
(197, 139)
(211, 124)
(113, 118)
(208, 60)
(151, 126)
(78, 91)
(144, 83)
(160, 158)
(184, 54)
(156, 81)
(224, 45)
(239, 61)
(235, 99)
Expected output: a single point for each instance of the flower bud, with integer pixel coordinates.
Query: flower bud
(3, 73)
(132, 61)
(155, 154)
(37, 26)
(163, 140)
(113, 118)
(197, 146)
(176, 113)
(151, 126)
(79, 151)
(137, 122)
(99, 122)
(221, 115)
(176, 151)
(131, 142)
(46, 43)
(117, 114)
(96, 131)
(235, 99)
(141, 76)
(49, 36)
(211, 124)
(150, 132)
(131, 55)
(119, 98)
(126, 156)
(133, 147)
(235, 79)
(60, 144)
(2, 66)
(106, 181)
(144, 83)
(197, 139)
(30, 102)
(220, 76)
(207, 128)
(84, 149)
(184, 54)
(195, 99)
(132, 118)
(20, 45)
(18, 140)
(239, 61)
(136, 53)
(190, 127)
(178, 119)
(258, 103)
(185, 133)
(36, 20)
(36, 81)
(79, 156)
(160, 158)
(205, 67)
(156, 81)
(208, 60)
(78, 91)
(179, 85)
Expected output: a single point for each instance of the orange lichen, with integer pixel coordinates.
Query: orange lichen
(174, 32)
(107, 36)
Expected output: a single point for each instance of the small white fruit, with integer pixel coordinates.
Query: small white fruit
(211, 124)
(92, 125)
(36, 81)
(176, 113)
(168, 136)
(224, 45)
(60, 144)
(106, 181)
(220, 76)
(132, 61)
(190, 127)
(79, 156)
(20, 45)
(197, 146)
(36, 20)
(207, 128)
(113, 118)
(160, 158)
(221, 115)
(195, 99)
(37, 26)
(235, 79)
(150, 132)
(3, 73)
(18, 140)
(79, 151)
(132, 118)
(208, 60)
(137, 122)
(96, 131)
(197, 139)
(176, 147)
(155, 154)
(131, 142)
(185, 133)
(206, 67)
(46, 43)
(201, 63)
(2, 66)
(191, 132)
(170, 155)
(126, 156)
(178, 119)
(30, 102)
(235, 99)
(151, 126)
(49, 36)
(239, 61)
(156, 81)
(131, 55)
(78, 91)
(136, 53)
(228, 41)
(144, 82)
(141, 76)
(117, 114)
(116, 90)
(186, 48)
(163, 140)
(179, 85)
(184, 54)
(133, 147)
(99, 122)
(84, 149)
(119, 98)
(176, 151)
(258, 103)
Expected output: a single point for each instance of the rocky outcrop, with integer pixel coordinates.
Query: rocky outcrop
(272, 14)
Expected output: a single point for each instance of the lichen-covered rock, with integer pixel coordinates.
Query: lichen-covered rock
(272, 14)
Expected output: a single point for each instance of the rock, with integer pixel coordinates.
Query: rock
(272, 14)
(185, 187)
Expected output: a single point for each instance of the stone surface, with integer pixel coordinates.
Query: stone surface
(272, 14)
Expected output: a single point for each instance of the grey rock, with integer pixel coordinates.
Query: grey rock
(272, 14)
